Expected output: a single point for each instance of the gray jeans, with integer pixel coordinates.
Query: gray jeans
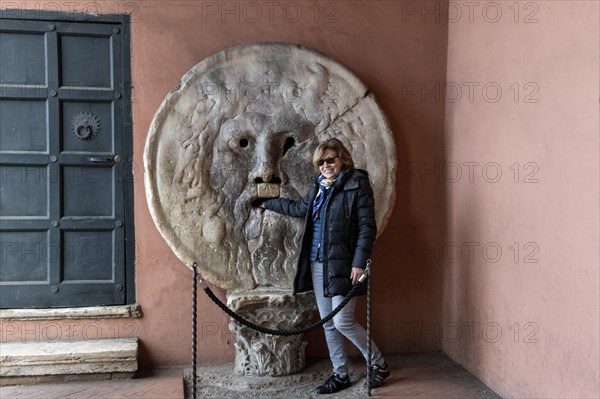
(342, 325)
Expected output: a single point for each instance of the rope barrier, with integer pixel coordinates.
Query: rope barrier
(353, 292)
(284, 332)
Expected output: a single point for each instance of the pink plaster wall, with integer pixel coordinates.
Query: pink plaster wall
(526, 329)
(389, 47)
(526, 321)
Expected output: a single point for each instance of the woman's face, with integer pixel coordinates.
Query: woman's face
(331, 164)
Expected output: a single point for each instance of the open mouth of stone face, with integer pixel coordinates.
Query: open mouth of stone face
(267, 190)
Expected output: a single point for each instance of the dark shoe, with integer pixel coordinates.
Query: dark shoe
(334, 384)
(378, 375)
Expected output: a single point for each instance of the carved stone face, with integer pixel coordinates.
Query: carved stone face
(261, 156)
(249, 154)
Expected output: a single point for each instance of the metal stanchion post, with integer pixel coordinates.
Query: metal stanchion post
(369, 329)
(194, 327)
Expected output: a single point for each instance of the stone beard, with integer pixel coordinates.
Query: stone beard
(254, 155)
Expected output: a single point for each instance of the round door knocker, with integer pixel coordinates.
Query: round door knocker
(85, 125)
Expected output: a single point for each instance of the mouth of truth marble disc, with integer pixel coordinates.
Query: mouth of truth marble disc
(242, 125)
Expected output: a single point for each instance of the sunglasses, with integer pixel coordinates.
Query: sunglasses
(328, 161)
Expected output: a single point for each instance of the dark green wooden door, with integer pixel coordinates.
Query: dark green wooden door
(63, 207)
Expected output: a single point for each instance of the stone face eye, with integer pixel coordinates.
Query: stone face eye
(240, 141)
(289, 143)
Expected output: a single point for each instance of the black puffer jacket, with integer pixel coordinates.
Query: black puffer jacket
(349, 231)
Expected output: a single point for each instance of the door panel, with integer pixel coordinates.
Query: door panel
(22, 67)
(62, 190)
(85, 61)
(24, 191)
(30, 251)
(88, 256)
(23, 125)
(96, 183)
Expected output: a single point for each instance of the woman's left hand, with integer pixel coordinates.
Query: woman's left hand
(356, 273)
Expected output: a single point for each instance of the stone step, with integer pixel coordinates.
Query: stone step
(97, 357)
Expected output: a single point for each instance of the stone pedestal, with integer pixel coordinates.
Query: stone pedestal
(258, 354)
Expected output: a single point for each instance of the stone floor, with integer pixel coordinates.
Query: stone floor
(416, 375)
(161, 383)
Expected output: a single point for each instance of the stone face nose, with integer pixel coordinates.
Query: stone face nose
(266, 172)
(267, 161)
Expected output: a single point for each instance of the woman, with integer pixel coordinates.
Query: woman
(338, 238)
